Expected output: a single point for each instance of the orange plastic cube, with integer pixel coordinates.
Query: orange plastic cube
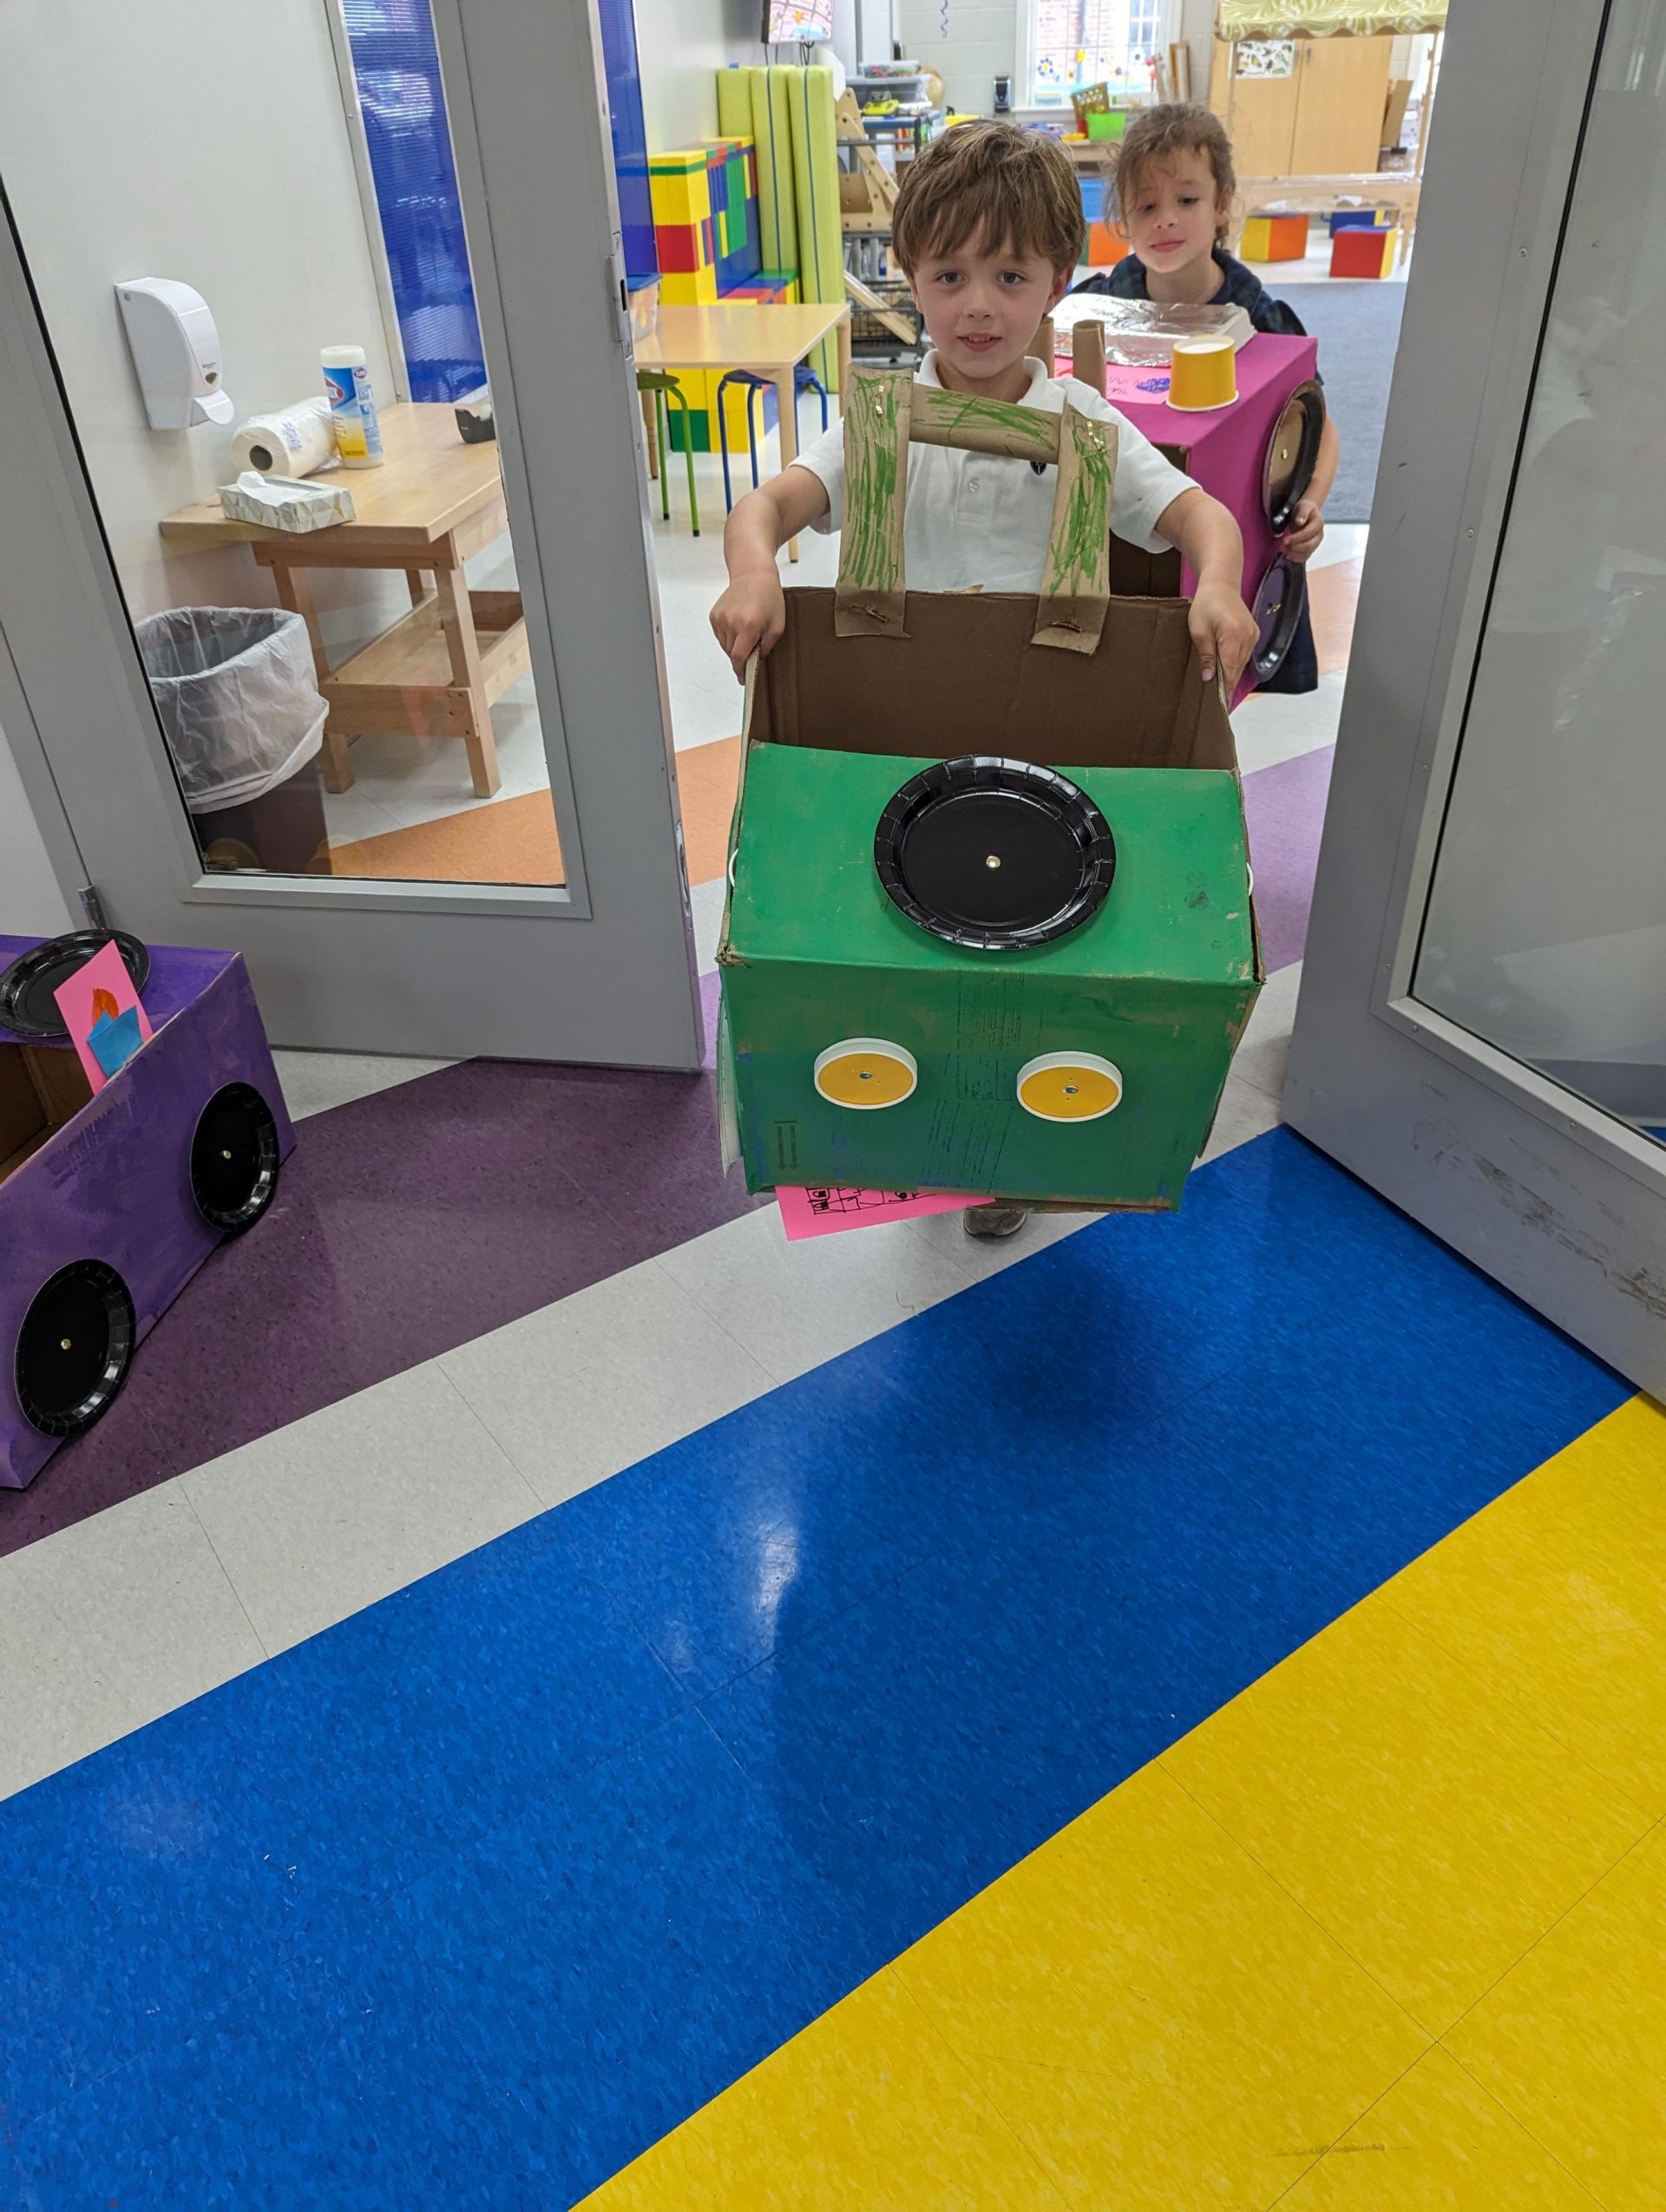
(1274, 238)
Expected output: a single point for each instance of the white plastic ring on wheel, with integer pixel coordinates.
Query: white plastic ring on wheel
(867, 1073)
(1069, 1087)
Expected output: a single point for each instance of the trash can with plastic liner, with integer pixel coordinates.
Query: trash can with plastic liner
(244, 718)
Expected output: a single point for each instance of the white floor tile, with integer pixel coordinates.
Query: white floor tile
(113, 1622)
(604, 1378)
(1264, 1055)
(1246, 1111)
(707, 902)
(794, 1307)
(327, 1515)
(704, 697)
(314, 1082)
(944, 1235)
(1271, 729)
(1342, 541)
(63, 1699)
(139, 1588)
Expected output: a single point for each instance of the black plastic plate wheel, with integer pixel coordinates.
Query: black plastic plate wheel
(27, 1006)
(1292, 455)
(994, 854)
(234, 1159)
(1277, 609)
(74, 1348)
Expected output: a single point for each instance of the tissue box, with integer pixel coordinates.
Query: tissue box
(286, 502)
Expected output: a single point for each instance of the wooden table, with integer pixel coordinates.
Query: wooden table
(1395, 188)
(764, 340)
(433, 503)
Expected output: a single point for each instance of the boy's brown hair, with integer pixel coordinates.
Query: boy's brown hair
(1156, 135)
(994, 183)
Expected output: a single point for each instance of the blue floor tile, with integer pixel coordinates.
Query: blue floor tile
(235, 2114)
(734, 1540)
(639, 1946)
(475, 1860)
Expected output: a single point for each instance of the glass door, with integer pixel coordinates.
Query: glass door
(1482, 1031)
(372, 693)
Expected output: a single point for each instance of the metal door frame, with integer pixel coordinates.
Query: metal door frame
(616, 981)
(1562, 1204)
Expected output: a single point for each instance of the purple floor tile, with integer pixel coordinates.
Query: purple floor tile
(405, 1224)
(409, 1222)
(1285, 808)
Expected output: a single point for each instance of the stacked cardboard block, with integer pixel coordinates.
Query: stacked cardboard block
(679, 185)
(774, 287)
(705, 223)
(732, 179)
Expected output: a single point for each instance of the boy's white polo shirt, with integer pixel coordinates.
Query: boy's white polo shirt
(972, 519)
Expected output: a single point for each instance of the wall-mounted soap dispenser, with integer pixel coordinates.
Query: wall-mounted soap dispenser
(176, 350)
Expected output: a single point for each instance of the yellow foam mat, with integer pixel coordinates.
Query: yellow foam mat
(1385, 1932)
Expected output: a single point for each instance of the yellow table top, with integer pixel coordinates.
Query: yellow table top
(740, 334)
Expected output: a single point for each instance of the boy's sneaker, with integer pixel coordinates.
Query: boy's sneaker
(995, 1220)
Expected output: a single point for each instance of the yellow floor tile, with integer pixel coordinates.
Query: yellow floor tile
(1557, 1595)
(1423, 1818)
(867, 2110)
(1573, 2040)
(1155, 2017)
(1436, 2143)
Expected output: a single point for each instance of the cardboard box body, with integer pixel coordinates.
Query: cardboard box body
(1160, 981)
(1225, 450)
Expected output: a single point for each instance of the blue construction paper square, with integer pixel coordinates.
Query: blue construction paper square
(113, 1043)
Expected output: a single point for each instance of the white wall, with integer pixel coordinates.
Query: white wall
(31, 904)
(680, 46)
(146, 142)
(1197, 27)
(982, 44)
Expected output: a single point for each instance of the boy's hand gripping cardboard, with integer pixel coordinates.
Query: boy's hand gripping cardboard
(1082, 1068)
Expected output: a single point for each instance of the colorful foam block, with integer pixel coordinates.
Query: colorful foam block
(706, 219)
(699, 388)
(778, 286)
(1361, 219)
(1105, 247)
(1274, 238)
(1364, 254)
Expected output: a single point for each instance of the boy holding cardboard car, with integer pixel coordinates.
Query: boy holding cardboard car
(988, 230)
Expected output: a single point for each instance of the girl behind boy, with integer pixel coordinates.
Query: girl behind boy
(1173, 183)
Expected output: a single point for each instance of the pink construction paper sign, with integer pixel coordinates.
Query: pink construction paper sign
(826, 1212)
(101, 990)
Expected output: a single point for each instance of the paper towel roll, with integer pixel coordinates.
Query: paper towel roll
(290, 440)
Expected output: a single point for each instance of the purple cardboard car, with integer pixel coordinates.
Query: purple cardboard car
(109, 1204)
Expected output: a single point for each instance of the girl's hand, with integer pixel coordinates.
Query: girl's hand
(1306, 533)
(1223, 630)
(750, 618)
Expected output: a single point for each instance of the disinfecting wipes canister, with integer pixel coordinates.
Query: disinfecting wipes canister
(352, 406)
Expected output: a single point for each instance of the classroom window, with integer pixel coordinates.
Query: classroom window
(1076, 42)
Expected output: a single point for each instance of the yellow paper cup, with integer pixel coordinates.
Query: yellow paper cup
(1203, 374)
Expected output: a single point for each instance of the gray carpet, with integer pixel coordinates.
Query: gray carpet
(1357, 324)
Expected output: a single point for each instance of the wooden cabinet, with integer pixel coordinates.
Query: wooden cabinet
(1324, 118)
